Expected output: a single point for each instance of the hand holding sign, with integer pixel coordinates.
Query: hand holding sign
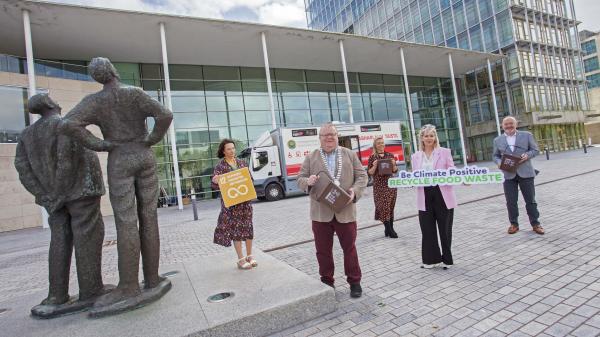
(236, 187)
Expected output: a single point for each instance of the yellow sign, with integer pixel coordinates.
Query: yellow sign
(236, 187)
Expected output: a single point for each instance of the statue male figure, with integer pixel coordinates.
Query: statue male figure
(66, 180)
(121, 113)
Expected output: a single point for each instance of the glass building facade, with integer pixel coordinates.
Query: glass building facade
(543, 70)
(215, 102)
(591, 65)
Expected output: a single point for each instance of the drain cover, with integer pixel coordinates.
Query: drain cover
(171, 273)
(220, 297)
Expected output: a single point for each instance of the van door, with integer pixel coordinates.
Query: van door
(352, 143)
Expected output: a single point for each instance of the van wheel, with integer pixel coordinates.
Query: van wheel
(273, 192)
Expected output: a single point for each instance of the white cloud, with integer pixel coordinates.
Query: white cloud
(274, 12)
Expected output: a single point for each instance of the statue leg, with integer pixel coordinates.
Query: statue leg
(147, 193)
(122, 196)
(88, 233)
(59, 257)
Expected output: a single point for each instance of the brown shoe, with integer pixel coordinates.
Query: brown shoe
(539, 229)
(513, 229)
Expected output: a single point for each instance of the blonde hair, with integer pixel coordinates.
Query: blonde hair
(375, 141)
(428, 128)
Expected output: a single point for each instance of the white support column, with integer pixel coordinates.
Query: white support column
(32, 87)
(345, 71)
(413, 134)
(493, 90)
(163, 43)
(457, 105)
(268, 74)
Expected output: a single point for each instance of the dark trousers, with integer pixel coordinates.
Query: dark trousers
(511, 193)
(436, 213)
(346, 232)
(79, 223)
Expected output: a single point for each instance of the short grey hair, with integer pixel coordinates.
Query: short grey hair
(328, 126)
(102, 70)
(510, 117)
(37, 104)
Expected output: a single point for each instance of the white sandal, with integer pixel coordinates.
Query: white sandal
(244, 265)
(250, 259)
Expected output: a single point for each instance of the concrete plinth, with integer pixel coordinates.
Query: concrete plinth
(267, 299)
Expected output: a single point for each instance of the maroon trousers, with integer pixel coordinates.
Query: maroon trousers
(346, 232)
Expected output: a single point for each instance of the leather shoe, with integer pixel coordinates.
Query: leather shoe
(539, 229)
(513, 229)
(355, 290)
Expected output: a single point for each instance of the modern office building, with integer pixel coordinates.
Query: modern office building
(589, 48)
(540, 80)
(221, 79)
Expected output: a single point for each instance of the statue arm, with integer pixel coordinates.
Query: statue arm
(28, 178)
(162, 117)
(74, 123)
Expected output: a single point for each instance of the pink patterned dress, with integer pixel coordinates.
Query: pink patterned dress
(235, 222)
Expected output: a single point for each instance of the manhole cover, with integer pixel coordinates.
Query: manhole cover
(220, 297)
(3, 310)
(171, 273)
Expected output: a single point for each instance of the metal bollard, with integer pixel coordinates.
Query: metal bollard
(584, 148)
(194, 205)
(547, 154)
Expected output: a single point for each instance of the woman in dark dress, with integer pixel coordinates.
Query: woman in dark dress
(384, 197)
(235, 222)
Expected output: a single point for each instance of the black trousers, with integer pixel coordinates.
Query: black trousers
(436, 213)
(511, 193)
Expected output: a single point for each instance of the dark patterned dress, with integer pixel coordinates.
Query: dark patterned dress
(235, 222)
(384, 197)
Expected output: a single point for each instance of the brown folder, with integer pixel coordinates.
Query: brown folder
(330, 194)
(509, 163)
(384, 167)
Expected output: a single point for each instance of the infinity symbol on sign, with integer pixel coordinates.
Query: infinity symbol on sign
(236, 192)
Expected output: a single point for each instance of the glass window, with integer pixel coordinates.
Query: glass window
(591, 64)
(472, 17)
(593, 81)
(188, 103)
(485, 9)
(191, 72)
(291, 75)
(448, 23)
(151, 71)
(504, 28)
(438, 33)
(459, 17)
(463, 40)
(218, 73)
(13, 113)
(489, 35)
(588, 47)
(185, 120)
(475, 33)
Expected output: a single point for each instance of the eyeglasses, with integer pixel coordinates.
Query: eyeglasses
(325, 135)
(428, 126)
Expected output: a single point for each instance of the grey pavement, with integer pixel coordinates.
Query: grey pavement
(518, 285)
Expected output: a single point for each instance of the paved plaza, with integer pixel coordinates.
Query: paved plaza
(501, 285)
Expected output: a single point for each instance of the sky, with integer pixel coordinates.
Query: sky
(274, 12)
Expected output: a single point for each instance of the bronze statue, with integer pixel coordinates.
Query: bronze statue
(121, 114)
(66, 180)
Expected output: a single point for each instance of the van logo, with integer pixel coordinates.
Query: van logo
(292, 144)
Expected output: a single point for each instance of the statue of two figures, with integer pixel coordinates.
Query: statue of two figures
(56, 162)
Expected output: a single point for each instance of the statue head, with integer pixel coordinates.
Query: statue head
(102, 70)
(40, 103)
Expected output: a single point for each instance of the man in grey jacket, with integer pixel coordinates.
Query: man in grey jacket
(523, 145)
(344, 168)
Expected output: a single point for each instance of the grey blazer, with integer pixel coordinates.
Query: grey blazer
(523, 144)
